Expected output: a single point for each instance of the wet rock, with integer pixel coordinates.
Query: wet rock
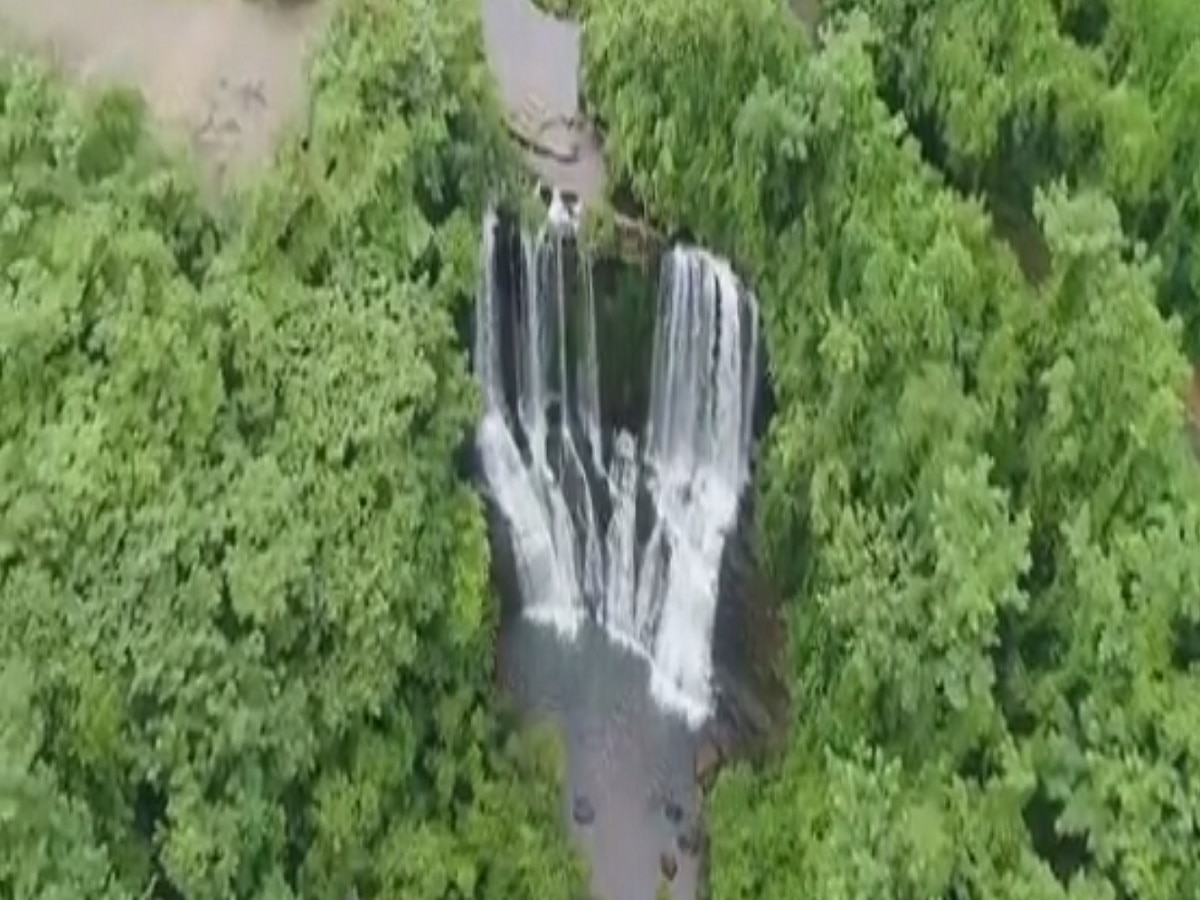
(583, 811)
(691, 839)
(543, 133)
(668, 864)
(673, 811)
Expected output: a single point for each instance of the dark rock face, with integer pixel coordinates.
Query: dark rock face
(626, 306)
(504, 566)
(708, 761)
(749, 637)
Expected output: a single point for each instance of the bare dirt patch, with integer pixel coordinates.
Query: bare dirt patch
(226, 74)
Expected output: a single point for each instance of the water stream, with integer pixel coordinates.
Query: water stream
(631, 762)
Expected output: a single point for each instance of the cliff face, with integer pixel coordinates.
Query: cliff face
(625, 294)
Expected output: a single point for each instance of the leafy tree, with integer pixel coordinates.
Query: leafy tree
(244, 590)
(1009, 97)
(49, 845)
(649, 81)
(993, 626)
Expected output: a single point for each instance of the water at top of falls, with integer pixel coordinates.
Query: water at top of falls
(559, 214)
(691, 462)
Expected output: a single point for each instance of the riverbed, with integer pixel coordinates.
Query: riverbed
(627, 761)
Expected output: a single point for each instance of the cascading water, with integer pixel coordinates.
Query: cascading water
(691, 463)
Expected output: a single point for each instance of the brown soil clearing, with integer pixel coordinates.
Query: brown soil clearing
(226, 74)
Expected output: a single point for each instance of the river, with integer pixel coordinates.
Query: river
(626, 759)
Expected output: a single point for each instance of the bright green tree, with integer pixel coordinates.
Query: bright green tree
(974, 493)
(1009, 97)
(246, 613)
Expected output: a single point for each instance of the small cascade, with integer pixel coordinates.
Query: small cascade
(679, 485)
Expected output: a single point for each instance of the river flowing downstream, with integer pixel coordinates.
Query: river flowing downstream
(627, 759)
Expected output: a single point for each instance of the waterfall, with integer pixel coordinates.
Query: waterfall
(681, 480)
(529, 491)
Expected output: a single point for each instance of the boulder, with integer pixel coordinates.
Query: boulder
(543, 132)
(691, 839)
(582, 810)
(668, 864)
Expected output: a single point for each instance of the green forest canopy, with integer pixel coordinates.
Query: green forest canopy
(244, 589)
(995, 629)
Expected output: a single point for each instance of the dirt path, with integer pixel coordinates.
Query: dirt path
(226, 74)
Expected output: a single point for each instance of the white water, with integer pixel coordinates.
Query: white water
(527, 492)
(692, 463)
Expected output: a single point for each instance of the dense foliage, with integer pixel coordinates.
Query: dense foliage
(994, 625)
(245, 628)
(245, 614)
(1105, 92)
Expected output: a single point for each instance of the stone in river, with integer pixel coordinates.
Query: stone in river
(673, 810)
(668, 864)
(582, 810)
(690, 839)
